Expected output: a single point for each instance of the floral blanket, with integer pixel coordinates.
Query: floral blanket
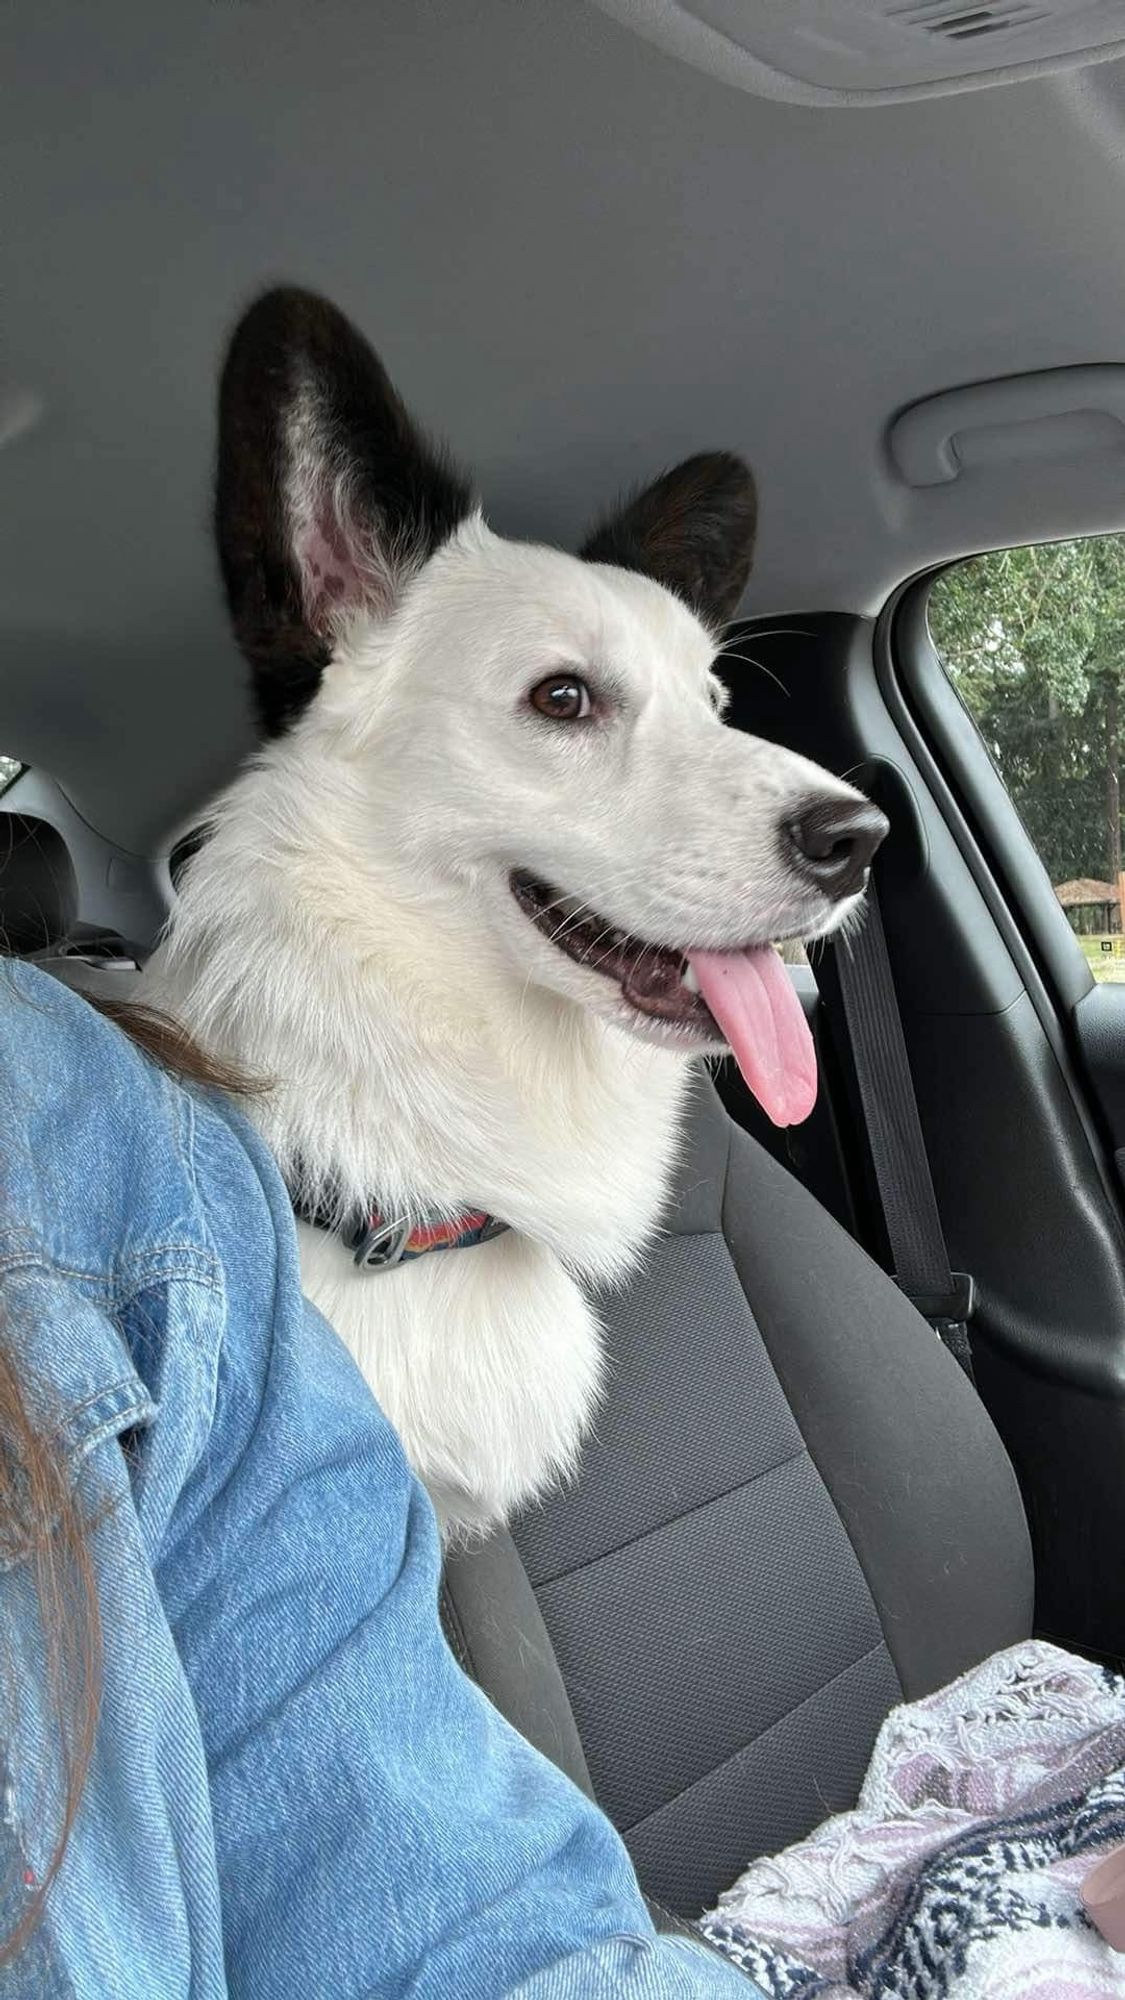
(957, 1875)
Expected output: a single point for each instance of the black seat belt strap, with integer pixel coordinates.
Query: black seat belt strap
(905, 1186)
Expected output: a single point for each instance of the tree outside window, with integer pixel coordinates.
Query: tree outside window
(1034, 641)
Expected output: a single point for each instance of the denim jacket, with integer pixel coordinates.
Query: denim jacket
(295, 1792)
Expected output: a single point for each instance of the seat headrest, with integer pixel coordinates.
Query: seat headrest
(38, 886)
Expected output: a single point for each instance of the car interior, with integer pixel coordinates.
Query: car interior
(880, 251)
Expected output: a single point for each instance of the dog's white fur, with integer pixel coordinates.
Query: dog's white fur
(348, 931)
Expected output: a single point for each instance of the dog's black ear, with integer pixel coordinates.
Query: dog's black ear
(692, 530)
(329, 499)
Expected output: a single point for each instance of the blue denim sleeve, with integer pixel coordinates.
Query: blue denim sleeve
(378, 1828)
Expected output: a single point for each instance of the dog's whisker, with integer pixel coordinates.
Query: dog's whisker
(749, 661)
(524, 990)
(594, 963)
(772, 632)
(650, 951)
(574, 922)
(556, 903)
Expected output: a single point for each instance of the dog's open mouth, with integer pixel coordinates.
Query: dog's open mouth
(744, 998)
(654, 981)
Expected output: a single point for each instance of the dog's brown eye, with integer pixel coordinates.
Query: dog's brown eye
(562, 699)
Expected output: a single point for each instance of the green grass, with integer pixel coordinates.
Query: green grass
(1108, 966)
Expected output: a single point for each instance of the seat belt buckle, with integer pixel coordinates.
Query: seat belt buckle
(954, 1306)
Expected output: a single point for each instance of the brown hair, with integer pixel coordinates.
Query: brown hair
(41, 1517)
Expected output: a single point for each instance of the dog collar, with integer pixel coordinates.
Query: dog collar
(378, 1242)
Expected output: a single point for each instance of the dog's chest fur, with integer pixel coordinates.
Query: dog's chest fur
(487, 1360)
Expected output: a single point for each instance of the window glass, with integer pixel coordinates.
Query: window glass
(1034, 641)
(10, 767)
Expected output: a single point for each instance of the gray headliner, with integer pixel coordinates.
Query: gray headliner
(579, 259)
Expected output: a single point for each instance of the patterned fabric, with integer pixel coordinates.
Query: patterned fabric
(457, 1235)
(378, 1243)
(957, 1876)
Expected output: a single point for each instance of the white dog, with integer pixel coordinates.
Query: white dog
(498, 870)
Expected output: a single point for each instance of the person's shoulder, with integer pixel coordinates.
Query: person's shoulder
(115, 1170)
(97, 1138)
(73, 1053)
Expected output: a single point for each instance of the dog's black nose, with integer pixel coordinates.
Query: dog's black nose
(831, 842)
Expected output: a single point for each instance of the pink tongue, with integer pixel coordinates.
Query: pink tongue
(752, 998)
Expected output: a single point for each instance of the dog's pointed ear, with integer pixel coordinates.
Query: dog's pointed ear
(328, 498)
(692, 530)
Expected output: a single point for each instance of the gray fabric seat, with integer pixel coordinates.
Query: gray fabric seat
(794, 1512)
(39, 913)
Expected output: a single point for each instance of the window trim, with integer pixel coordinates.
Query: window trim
(976, 802)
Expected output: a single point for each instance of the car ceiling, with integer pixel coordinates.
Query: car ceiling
(579, 259)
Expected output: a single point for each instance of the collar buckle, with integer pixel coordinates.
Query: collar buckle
(377, 1245)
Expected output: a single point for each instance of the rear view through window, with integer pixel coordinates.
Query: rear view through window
(1033, 639)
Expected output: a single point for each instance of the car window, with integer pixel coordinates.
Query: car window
(1033, 640)
(10, 768)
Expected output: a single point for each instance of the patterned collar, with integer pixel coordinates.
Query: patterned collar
(377, 1242)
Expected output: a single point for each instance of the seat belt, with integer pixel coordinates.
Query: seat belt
(919, 1259)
